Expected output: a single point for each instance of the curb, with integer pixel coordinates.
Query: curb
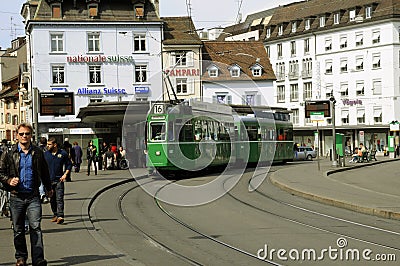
(388, 214)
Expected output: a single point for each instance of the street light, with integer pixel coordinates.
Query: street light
(333, 101)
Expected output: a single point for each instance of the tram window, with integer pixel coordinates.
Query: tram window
(186, 132)
(157, 131)
(252, 132)
(171, 131)
(289, 134)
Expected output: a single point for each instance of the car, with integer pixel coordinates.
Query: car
(305, 153)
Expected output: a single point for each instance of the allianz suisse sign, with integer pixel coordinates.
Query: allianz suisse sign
(123, 59)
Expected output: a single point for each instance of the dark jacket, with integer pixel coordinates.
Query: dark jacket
(9, 165)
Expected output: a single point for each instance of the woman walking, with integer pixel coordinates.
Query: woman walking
(78, 157)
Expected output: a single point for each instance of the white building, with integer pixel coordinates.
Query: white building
(91, 51)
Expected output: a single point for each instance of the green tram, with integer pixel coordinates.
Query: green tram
(196, 135)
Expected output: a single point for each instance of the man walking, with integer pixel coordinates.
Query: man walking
(22, 169)
(57, 160)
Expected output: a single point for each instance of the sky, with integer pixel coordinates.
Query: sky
(205, 13)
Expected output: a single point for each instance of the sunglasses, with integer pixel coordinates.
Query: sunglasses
(24, 133)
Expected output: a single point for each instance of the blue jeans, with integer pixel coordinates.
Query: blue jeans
(30, 206)
(57, 201)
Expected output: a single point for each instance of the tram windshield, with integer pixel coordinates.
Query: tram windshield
(157, 131)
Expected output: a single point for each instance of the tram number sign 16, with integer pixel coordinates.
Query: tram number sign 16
(158, 109)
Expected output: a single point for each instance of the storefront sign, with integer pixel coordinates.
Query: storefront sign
(351, 102)
(142, 90)
(100, 59)
(106, 91)
(183, 72)
(59, 89)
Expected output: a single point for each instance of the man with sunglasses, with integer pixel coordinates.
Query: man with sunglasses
(22, 169)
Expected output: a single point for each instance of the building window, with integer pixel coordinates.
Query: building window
(307, 68)
(345, 117)
(343, 65)
(256, 71)
(180, 58)
(336, 18)
(322, 21)
(360, 116)
(93, 10)
(359, 39)
(267, 48)
(352, 15)
(268, 32)
(95, 74)
(307, 24)
(279, 50)
(378, 115)
(360, 88)
(293, 48)
(57, 42)
(328, 67)
(213, 72)
(280, 30)
(8, 105)
(294, 69)
(8, 118)
(344, 90)
(306, 46)
(343, 42)
(139, 11)
(280, 71)
(368, 12)
(250, 99)
(235, 71)
(94, 42)
(222, 98)
(294, 26)
(307, 91)
(328, 44)
(181, 86)
(376, 61)
(141, 73)
(295, 116)
(376, 37)
(58, 74)
(139, 42)
(15, 104)
(281, 93)
(56, 11)
(328, 91)
(15, 120)
(359, 63)
(294, 92)
(377, 87)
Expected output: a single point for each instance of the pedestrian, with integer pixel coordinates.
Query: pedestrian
(110, 159)
(78, 157)
(43, 147)
(120, 156)
(295, 149)
(102, 155)
(71, 155)
(59, 167)
(21, 171)
(91, 157)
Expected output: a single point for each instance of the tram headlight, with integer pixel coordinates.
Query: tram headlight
(158, 153)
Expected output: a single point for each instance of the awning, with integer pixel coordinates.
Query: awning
(328, 65)
(345, 114)
(256, 22)
(360, 86)
(376, 60)
(359, 62)
(359, 38)
(343, 64)
(343, 40)
(344, 87)
(360, 112)
(377, 112)
(376, 35)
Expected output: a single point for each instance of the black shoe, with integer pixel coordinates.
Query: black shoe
(41, 263)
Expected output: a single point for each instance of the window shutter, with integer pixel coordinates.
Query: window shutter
(214, 98)
(190, 59)
(172, 59)
(228, 99)
(258, 99)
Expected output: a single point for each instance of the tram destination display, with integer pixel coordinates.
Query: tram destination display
(318, 106)
(57, 104)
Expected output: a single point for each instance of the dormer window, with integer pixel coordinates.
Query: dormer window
(294, 26)
(56, 10)
(368, 12)
(235, 71)
(256, 70)
(336, 18)
(322, 21)
(307, 24)
(139, 11)
(93, 10)
(352, 15)
(213, 71)
(268, 32)
(280, 30)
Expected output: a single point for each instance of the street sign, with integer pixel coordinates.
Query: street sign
(317, 116)
(317, 106)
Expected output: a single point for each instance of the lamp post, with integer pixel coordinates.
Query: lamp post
(333, 101)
